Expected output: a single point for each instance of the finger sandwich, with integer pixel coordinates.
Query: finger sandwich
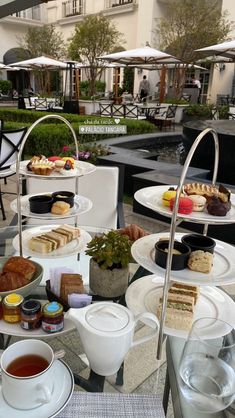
(180, 306)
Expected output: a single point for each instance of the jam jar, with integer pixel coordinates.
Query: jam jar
(52, 317)
(31, 314)
(12, 307)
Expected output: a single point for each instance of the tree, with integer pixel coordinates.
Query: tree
(93, 37)
(191, 25)
(43, 41)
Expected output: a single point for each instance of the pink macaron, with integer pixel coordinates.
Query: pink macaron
(185, 205)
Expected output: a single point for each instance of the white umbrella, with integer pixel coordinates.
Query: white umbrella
(225, 49)
(42, 62)
(139, 56)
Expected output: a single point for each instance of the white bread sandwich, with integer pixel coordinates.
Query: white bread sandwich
(180, 306)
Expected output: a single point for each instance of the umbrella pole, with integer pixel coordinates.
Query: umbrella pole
(162, 84)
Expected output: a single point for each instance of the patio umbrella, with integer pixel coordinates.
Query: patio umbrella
(143, 56)
(138, 56)
(41, 62)
(225, 49)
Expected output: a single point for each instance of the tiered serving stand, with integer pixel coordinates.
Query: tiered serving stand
(224, 267)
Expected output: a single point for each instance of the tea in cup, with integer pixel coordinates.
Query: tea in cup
(27, 374)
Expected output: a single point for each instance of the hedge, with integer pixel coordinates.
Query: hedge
(51, 135)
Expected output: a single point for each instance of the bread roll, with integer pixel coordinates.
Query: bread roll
(60, 208)
(21, 265)
(11, 281)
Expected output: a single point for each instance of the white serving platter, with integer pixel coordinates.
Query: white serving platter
(151, 197)
(74, 247)
(222, 273)
(143, 296)
(81, 205)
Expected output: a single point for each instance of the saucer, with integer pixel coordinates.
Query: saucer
(63, 390)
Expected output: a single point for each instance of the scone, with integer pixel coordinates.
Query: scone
(60, 208)
(200, 261)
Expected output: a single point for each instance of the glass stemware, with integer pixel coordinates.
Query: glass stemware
(207, 366)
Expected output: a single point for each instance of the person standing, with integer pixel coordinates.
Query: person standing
(198, 85)
(144, 88)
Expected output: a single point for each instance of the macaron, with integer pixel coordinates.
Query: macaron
(199, 202)
(185, 205)
(54, 158)
(167, 196)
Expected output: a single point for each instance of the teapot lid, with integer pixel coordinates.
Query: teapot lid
(107, 317)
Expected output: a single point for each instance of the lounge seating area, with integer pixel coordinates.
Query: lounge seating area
(42, 104)
(130, 111)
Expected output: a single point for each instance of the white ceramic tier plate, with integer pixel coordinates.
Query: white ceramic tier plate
(81, 169)
(81, 205)
(15, 330)
(151, 197)
(63, 390)
(73, 247)
(144, 294)
(222, 272)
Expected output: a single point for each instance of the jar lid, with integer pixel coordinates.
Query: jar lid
(13, 299)
(107, 317)
(30, 307)
(52, 309)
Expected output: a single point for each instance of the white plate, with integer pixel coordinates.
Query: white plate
(63, 390)
(151, 197)
(82, 169)
(15, 330)
(73, 247)
(144, 294)
(81, 205)
(222, 272)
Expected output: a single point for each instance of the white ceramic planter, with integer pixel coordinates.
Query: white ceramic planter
(108, 283)
(91, 106)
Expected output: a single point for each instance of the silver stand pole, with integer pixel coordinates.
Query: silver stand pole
(174, 221)
(18, 166)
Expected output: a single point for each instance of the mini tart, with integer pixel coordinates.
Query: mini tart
(42, 167)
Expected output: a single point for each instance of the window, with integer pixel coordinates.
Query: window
(72, 7)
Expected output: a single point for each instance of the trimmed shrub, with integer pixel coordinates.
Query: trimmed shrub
(49, 136)
(5, 86)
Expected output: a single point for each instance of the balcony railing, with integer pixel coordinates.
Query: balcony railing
(115, 3)
(34, 13)
(72, 8)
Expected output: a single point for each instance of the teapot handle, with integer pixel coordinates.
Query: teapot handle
(151, 317)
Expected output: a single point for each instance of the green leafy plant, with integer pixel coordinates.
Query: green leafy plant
(110, 250)
(5, 86)
(199, 110)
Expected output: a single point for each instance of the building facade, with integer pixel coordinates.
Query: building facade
(135, 19)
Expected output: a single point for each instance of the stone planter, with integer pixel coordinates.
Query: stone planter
(91, 106)
(108, 283)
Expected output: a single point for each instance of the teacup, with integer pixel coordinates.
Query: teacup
(27, 374)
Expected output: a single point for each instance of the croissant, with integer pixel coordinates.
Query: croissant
(133, 231)
(11, 281)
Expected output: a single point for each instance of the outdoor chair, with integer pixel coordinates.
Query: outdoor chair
(166, 118)
(132, 112)
(105, 109)
(186, 97)
(27, 103)
(10, 142)
(41, 104)
(118, 111)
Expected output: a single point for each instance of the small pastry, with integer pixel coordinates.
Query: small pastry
(205, 190)
(69, 159)
(216, 207)
(60, 208)
(168, 195)
(42, 167)
(54, 158)
(200, 261)
(199, 202)
(59, 165)
(185, 205)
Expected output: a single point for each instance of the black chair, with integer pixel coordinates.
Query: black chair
(186, 97)
(166, 118)
(10, 142)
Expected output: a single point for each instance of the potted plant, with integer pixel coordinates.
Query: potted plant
(109, 265)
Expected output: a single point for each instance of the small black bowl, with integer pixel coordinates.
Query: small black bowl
(40, 203)
(179, 261)
(67, 197)
(199, 242)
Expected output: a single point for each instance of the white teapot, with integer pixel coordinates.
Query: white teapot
(106, 330)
